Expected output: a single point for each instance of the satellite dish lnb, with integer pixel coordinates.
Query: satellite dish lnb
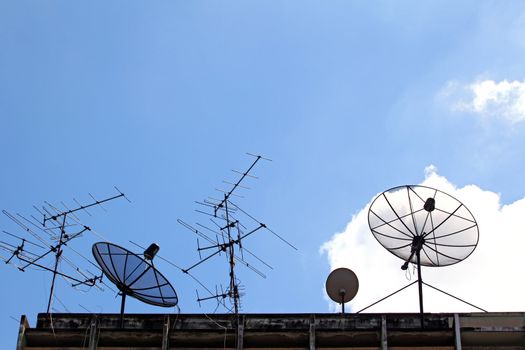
(151, 251)
(342, 286)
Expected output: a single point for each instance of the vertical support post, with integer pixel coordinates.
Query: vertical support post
(457, 333)
(21, 341)
(342, 301)
(384, 335)
(57, 259)
(93, 334)
(312, 332)
(122, 304)
(234, 291)
(420, 287)
(240, 333)
(166, 333)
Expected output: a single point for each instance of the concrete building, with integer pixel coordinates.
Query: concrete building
(274, 331)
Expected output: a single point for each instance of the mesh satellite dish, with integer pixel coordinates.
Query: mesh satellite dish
(134, 276)
(342, 286)
(424, 226)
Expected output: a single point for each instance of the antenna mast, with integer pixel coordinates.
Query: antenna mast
(229, 233)
(52, 214)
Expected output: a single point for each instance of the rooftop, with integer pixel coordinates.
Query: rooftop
(277, 331)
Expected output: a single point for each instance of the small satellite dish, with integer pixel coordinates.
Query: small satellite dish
(134, 276)
(342, 286)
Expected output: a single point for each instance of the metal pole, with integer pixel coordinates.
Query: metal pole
(384, 335)
(343, 302)
(231, 251)
(457, 333)
(420, 285)
(122, 310)
(57, 259)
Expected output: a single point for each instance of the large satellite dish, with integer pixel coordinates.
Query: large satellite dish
(342, 286)
(424, 226)
(411, 219)
(134, 275)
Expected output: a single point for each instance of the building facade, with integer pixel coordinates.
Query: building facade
(274, 331)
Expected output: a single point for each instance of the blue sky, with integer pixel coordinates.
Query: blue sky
(163, 99)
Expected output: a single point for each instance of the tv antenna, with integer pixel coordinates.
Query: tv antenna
(423, 226)
(342, 286)
(230, 226)
(134, 276)
(49, 237)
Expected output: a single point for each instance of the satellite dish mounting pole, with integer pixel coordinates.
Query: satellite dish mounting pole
(342, 292)
(122, 304)
(420, 285)
(417, 244)
(58, 253)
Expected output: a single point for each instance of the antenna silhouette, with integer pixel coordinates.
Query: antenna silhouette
(57, 227)
(232, 225)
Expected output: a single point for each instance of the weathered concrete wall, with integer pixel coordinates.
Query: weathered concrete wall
(286, 331)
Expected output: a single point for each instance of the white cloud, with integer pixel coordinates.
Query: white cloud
(491, 278)
(500, 100)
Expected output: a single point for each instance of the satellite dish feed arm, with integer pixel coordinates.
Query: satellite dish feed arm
(441, 223)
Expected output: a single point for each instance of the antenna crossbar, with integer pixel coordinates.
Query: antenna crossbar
(83, 207)
(237, 184)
